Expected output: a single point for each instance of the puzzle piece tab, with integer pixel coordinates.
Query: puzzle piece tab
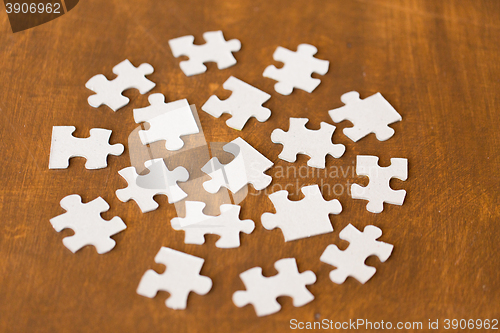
(168, 121)
(296, 73)
(301, 219)
(159, 180)
(300, 140)
(262, 291)
(351, 262)
(247, 167)
(110, 92)
(181, 277)
(245, 102)
(227, 225)
(95, 148)
(378, 190)
(370, 115)
(86, 221)
(216, 49)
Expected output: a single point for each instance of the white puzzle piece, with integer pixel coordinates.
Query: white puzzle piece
(247, 167)
(168, 121)
(95, 148)
(262, 291)
(159, 180)
(296, 73)
(314, 143)
(110, 92)
(227, 225)
(301, 219)
(351, 262)
(245, 102)
(216, 49)
(86, 221)
(181, 277)
(370, 115)
(378, 190)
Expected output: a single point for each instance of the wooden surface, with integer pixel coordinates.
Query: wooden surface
(436, 62)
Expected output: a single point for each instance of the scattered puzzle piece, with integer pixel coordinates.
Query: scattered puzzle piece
(181, 277)
(86, 221)
(301, 219)
(300, 140)
(159, 180)
(227, 225)
(168, 121)
(262, 291)
(245, 102)
(247, 167)
(95, 148)
(215, 49)
(378, 190)
(296, 73)
(370, 115)
(351, 262)
(110, 92)
(193, 154)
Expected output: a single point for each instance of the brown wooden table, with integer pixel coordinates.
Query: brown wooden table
(436, 62)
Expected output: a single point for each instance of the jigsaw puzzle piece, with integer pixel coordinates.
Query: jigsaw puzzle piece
(95, 148)
(262, 300)
(216, 49)
(193, 154)
(314, 143)
(245, 102)
(181, 277)
(86, 221)
(110, 92)
(184, 46)
(262, 291)
(227, 225)
(370, 115)
(301, 219)
(168, 121)
(297, 69)
(247, 167)
(159, 180)
(351, 262)
(378, 190)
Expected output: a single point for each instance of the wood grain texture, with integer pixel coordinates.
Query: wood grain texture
(436, 62)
